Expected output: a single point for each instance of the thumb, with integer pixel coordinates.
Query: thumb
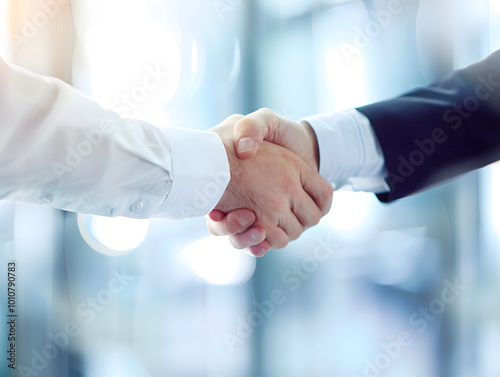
(250, 131)
(248, 137)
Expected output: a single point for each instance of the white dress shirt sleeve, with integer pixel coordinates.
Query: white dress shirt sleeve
(59, 148)
(350, 156)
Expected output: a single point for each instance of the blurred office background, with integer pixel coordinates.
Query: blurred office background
(120, 298)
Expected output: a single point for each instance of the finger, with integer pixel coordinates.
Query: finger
(259, 250)
(306, 210)
(234, 222)
(216, 215)
(231, 119)
(250, 131)
(292, 226)
(252, 237)
(318, 188)
(248, 137)
(277, 238)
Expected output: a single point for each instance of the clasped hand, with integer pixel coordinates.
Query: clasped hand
(275, 192)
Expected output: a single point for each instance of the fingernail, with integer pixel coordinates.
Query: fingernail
(260, 253)
(244, 219)
(256, 235)
(245, 144)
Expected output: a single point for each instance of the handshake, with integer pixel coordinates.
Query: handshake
(275, 192)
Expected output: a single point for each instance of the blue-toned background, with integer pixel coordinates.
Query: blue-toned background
(407, 289)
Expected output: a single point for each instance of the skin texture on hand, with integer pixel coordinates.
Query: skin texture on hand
(286, 195)
(252, 130)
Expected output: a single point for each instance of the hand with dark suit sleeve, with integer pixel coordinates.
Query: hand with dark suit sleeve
(423, 138)
(436, 133)
(285, 220)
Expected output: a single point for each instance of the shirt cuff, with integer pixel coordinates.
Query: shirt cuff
(350, 155)
(200, 173)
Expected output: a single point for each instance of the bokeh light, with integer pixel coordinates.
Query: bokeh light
(216, 261)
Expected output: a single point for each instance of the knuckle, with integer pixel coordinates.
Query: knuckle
(279, 239)
(326, 198)
(328, 190)
(266, 111)
(296, 233)
(282, 206)
(273, 206)
(234, 117)
(291, 187)
(245, 123)
(316, 218)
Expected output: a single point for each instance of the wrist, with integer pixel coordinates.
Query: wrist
(231, 191)
(312, 142)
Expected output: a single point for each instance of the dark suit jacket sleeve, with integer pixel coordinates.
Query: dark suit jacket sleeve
(436, 133)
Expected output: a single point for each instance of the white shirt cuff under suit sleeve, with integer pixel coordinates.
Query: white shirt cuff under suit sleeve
(350, 156)
(61, 149)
